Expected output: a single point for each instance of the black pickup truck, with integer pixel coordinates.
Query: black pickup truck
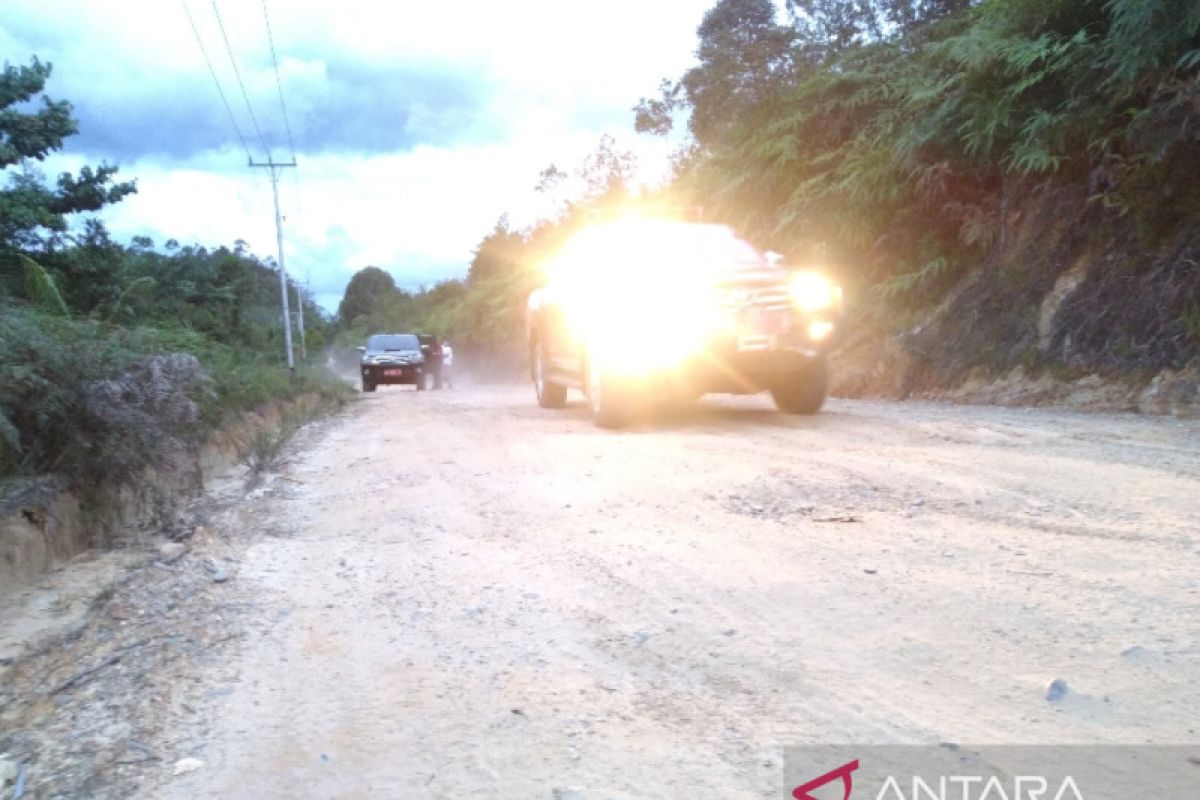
(392, 358)
(640, 309)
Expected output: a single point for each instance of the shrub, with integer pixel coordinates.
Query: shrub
(145, 414)
(88, 399)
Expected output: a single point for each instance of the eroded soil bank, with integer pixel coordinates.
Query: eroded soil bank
(44, 522)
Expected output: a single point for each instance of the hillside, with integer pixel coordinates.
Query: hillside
(1070, 306)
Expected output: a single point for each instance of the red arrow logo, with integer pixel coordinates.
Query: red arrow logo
(843, 772)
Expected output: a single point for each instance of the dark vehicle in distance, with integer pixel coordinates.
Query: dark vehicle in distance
(640, 309)
(394, 358)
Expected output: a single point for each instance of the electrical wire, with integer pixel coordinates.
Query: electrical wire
(299, 210)
(296, 189)
(237, 73)
(278, 81)
(216, 81)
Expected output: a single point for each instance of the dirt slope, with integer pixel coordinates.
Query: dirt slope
(464, 595)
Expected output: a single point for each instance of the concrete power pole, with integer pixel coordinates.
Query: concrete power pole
(274, 167)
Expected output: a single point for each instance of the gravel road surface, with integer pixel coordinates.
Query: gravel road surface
(464, 595)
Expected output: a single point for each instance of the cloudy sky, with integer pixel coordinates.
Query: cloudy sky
(415, 124)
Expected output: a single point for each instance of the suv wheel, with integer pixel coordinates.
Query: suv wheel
(803, 391)
(368, 386)
(549, 393)
(611, 405)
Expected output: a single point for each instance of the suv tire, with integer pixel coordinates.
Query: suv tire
(612, 406)
(549, 393)
(803, 391)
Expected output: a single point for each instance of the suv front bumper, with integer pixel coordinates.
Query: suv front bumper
(380, 374)
(733, 361)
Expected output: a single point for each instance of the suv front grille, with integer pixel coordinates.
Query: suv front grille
(767, 298)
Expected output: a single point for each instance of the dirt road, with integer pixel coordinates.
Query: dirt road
(467, 596)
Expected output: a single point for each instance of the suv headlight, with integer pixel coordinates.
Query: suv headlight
(812, 291)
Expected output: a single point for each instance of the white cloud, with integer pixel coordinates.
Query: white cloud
(491, 94)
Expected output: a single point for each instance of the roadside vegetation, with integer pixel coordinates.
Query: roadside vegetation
(114, 357)
(947, 159)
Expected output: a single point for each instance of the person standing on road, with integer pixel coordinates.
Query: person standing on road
(431, 348)
(447, 364)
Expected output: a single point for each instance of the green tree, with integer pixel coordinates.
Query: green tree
(91, 270)
(745, 60)
(608, 171)
(28, 207)
(827, 28)
(368, 290)
(499, 254)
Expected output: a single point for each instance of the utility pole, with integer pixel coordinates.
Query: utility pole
(274, 167)
(300, 320)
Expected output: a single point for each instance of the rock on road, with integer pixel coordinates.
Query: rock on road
(469, 596)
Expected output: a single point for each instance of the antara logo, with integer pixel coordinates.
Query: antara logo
(977, 787)
(949, 787)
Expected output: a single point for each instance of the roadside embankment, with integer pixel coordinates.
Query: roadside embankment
(1074, 305)
(47, 520)
(876, 364)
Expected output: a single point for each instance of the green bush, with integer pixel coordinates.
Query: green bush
(89, 399)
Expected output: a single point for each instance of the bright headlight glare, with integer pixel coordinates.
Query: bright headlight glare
(812, 291)
(638, 333)
(819, 329)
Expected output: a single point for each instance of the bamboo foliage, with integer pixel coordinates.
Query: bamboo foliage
(41, 288)
(899, 150)
(144, 284)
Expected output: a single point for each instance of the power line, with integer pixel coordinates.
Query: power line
(278, 81)
(296, 194)
(270, 163)
(291, 147)
(238, 74)
(216, 81)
